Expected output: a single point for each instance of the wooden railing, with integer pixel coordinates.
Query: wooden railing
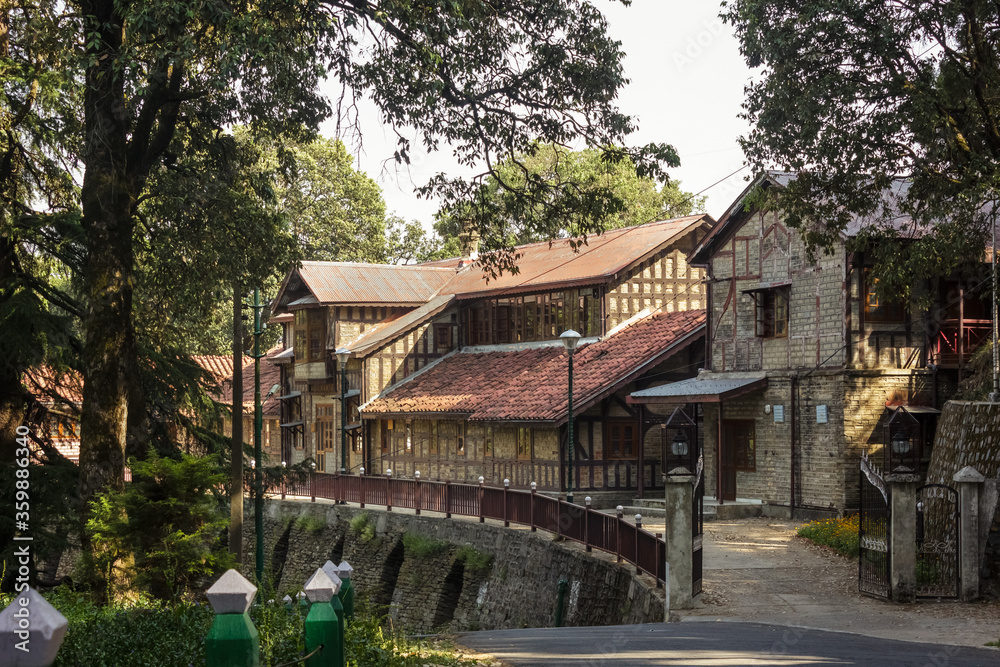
(593, 529)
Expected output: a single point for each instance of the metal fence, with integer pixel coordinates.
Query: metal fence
(595, 530)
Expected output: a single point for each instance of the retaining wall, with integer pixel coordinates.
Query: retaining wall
(456, 574)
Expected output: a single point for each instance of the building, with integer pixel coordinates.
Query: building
(806, 369)
(460, 376)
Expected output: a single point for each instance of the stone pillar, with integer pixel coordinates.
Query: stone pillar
(969, 481)
(322, 626)
(903, 542)
(346, 593)
(679, 532)
(31, 631)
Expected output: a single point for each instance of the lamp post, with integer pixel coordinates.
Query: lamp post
(569, 340)
(342, 356)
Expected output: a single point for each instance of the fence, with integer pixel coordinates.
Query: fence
(593, 529)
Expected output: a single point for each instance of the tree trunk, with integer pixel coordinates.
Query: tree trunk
(108, 199)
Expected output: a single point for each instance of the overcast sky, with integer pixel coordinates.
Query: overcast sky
(686, 89)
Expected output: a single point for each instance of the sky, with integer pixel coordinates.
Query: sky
(686, 89)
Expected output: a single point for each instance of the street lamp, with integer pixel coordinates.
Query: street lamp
(569, 340)
(342, 357)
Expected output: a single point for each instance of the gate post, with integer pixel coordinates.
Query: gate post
(903, 536)
(678, 532)
(968, 480)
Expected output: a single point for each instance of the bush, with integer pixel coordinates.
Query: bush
(162, 533)
(310, 524)
(474, 560)
(841, 535)
(419, 546)
(362, 528)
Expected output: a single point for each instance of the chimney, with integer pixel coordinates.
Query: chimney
(468, 239)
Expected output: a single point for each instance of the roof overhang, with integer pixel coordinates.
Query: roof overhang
(698, 390)
(764, 287)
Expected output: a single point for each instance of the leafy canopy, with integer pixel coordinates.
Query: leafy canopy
(855, 93)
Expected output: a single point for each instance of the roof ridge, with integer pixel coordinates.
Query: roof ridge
(419, 267)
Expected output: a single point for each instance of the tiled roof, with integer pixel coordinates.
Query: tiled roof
(350, 283)
(218, 366)
(270, 375)
(531, 384)
(49, 386)
(556, 263)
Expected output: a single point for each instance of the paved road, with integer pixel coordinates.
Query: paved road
(712, 643)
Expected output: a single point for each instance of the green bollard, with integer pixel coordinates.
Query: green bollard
(338, 609)
(347, 590)
(232, 640)
(323, 626)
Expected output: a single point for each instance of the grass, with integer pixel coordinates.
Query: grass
(362, 528)
(419, 546)
(474, 560)
(841, 535)
(310, 524)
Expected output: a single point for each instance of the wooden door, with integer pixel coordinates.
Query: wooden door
(737, 440)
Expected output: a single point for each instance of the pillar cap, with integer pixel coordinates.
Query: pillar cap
(320, 588)
(333, 572)
(231, 594)
(902, 478)
(679, 472)
(969, 474)
(46, 632)
(345, 569)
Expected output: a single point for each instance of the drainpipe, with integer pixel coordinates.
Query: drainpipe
(795, 429)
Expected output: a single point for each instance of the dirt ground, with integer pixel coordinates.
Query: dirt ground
(759, 570)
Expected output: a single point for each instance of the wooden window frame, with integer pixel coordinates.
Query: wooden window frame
(442, 337)
(326, 432)
(613, 451)
(525, 443)
(771, 312)
(892, 312)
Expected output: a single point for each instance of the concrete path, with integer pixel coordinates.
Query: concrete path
(708, 643)
(758, 570)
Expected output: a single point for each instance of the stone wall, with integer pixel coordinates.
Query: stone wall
(456, 574)
(968, 434)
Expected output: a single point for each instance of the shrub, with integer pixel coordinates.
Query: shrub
(362, 528)
(162, 533)
(841, 535)
(310, 524)
(474, 560)
(420, 546)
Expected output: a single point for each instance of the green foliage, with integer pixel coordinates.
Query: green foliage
(362, 528)
(162, 533)
(310, 524)
(148, 633)
(855, 94)
(593, 191)
(841, 535)
(421, 546)
(473, 559)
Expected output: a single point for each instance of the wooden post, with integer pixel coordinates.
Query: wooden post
(656, 575)
(619, 512)
(447, 499)
(534, 487)
(363, 483)
(388, 489)
(506, 485)
(482, 519)
(416, 493)
(312, 482)
(586, 523)
(638, 527)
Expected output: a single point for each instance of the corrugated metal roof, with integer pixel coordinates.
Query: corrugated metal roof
(700, 389)
(372, 284)
(551, 264)
(531, 384)
(386, 332)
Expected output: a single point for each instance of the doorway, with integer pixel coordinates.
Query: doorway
(738, 445)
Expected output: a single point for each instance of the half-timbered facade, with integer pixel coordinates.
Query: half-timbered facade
(398, 322)
(806, 365)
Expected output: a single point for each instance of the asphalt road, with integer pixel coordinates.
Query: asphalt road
(712, 643)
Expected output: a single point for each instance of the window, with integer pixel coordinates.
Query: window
(326, 433)
(772, 312)
(460, 448)
(310, 334)
(488, 441)
(524, 443)
(442, 337)
(880, 311)
(432, 444)
(621, 440)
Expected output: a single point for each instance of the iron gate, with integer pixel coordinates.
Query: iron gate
(697, 526)
(874, 527)
(937, 541)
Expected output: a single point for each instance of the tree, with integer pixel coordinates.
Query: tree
(854, 94)
(132, 89)
(336, 213)
(576, 179)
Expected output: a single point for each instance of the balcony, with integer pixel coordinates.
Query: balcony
(956, 340)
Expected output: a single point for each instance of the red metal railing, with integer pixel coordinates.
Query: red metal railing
(593, 529)
(955, 342)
